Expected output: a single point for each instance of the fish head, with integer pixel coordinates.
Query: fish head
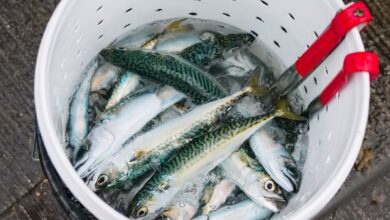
(272, 195)
(235, 41)
(105, 179)
(283, 169)
(147, 204)
(291, 172)
(116, 56)
(139, 207)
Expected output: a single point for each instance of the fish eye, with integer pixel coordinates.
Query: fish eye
(270, 185)
(102, 180)
(141, 212)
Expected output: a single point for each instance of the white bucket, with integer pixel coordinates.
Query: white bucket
(79, 29)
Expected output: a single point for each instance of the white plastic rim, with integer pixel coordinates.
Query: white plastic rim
(79, 29)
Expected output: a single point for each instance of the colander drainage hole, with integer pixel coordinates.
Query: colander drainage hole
(276, 43)
(308, 46)
(305, 88)
(264, 2)
(100, 7)
(326, 70)
(226, 14)
(128, 10)
(291, 16)
(315, 80)
(101, 21)
(283, 29)
(100, 37)
(193, 13)
(159, 9)
(260, 19)
(318, 117)
(126, 26)
(255, 33)
(315, 33)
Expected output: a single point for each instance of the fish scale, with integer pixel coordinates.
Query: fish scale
(176, 72)
(203, 154)
(213, 48)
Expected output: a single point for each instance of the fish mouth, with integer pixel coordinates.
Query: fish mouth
(292, 174)
(107, 53)
(110, 54)
(276, 204)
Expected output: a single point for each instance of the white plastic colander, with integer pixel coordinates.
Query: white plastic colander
(79, 29)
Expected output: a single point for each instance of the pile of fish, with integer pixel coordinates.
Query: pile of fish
(163, 120)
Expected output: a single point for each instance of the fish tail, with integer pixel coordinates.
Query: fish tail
(283, 111)
(253, 86)
(176, 26)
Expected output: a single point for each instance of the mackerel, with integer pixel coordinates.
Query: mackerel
(214, 46)
(118, 124)
(245, 210)
(151, 150)
(78, 126)
(196, 159)
(167, 69)
(276, 160)
(252, 179)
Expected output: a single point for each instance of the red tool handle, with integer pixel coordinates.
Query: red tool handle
(353, 63)
(355, 15)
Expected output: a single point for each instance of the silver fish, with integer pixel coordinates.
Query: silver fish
(104, 77)
(246, 210)
(278, 163)
(219, 195)
(198, 158)
(78, 126)
(252, 179)
(186, 203)
(127, 83)
(120, 123)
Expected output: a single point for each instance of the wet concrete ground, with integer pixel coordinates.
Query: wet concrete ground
(24, 191)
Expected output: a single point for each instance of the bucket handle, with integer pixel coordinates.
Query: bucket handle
(355, 15)
(358, 62)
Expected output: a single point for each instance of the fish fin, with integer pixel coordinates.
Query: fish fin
(253, 84)
(180, 107)
(176, 26)
(283, 111)
(139, 154)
